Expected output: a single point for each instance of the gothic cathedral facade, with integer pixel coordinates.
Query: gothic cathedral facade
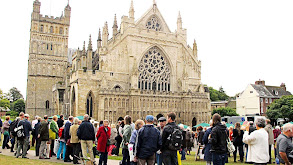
(143, 69)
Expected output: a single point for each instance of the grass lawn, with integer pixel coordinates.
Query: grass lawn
(9, 160)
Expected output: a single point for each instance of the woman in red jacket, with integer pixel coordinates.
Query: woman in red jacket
(103, 136)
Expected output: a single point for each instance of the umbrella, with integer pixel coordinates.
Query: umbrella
(185, 126)
(53, 116)
(202, 124)
(229, 125)
(79, 117)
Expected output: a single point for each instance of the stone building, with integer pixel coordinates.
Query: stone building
(143, 69)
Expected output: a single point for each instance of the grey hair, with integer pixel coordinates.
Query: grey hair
(75, 121)
(86, 117)
(287, 127)
(260, 122)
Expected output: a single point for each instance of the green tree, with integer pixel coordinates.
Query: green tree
(5, 103)
(225, 111)
(281, 108)
(14, 94)
(1, 94)
(12, 113)
(19, 105)
(216, 95)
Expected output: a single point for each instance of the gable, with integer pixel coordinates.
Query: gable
(153, 20)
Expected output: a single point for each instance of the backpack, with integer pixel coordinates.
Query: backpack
(61, 133)
(12, 127)
(19, 130)
(175, 139)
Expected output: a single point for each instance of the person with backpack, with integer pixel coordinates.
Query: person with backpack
(62, 146)
(44, 138)
(171, 141)
(36, 133)
(148, 142)
(24, 138)
(53, 134)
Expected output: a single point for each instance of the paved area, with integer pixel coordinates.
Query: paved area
(31, 155)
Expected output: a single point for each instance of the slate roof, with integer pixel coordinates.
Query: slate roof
(278, 91)
(270, 91)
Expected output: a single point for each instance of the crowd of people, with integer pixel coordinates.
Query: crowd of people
(146, 141)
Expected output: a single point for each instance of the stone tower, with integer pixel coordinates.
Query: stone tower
(47, 58)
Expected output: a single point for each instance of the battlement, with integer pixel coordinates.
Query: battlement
(52, 19)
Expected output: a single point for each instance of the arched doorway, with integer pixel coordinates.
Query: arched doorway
(89, 104)
(194, 122)
(73, 104)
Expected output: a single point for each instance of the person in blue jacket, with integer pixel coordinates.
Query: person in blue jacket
(207, 145)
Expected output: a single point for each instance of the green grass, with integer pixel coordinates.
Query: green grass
(9, 160)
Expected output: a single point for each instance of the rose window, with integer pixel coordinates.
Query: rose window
(154, 23)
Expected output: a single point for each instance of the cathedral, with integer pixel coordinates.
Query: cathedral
(142, 69)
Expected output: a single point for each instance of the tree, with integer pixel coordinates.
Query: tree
(225, 112)
(281, 108)
(5, 103)
(19, 105)
(14, 94)
(216, 95)
(1, 94)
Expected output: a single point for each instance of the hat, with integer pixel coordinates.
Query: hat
(149, 118)
(120, 118)
(26, 115)
(161, 119)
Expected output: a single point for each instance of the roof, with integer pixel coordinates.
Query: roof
(278, 91)
(270, 91)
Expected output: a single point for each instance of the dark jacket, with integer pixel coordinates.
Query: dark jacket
(218, 139)
(184, 140)
(60, 122)
(44, 131)
(200, 137)
(168, 129)
(86, 131)
(237, 139)
(37, 129)
(66, 130)
(251, 129)
(27, 127)
(207, 148)
(149, 141)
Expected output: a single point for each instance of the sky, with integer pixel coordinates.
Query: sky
(239, 41)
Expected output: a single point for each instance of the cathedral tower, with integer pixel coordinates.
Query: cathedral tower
(47, 58)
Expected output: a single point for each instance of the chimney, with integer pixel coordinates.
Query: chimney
(260, 82)
(283, 86)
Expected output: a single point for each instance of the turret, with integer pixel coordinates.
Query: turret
(36, 10)
(99, 41)
(105, 35)
(67, 13)
(90, 55)
(83, 49)
(90, 44)
(179, 23)
(115, 27)
(131, 11)
(195, 49)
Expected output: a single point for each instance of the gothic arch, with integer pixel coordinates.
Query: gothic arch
(73, 102)
(117, 87)
(90, 103)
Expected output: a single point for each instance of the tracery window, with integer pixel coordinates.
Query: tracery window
(154, 23)
(154, 71)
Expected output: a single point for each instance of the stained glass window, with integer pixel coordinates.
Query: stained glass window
(154, 23)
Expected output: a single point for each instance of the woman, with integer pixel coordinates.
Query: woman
(126, 132)
(207, 147)
(237, 141)
(6, 125)
(54, 130)
(61, 139)
(74, 140)
(112, 138)
(138, 125)
(103, 137)
(200, 135)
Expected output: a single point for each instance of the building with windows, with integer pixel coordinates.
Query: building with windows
(256, 98)
(144, 68)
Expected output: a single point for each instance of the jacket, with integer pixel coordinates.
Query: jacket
(86, 131)
(54, 128)
(218, 139)
(36, 129)
(184, 140)
(5, 126)
(168, 129)
(200, 137)
(113, 135)
(102, 137)
(237, 139)
(251, 129)
(27, 127)
(44, 131)
(66, 130)
(207, 148)
(276, 133)
(148, 142)
(126, 132)
(60, 122)
(73, 133)
(269, 130)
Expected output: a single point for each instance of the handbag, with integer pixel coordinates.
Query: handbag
(230, 146)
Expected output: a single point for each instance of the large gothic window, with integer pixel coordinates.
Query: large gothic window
(154, 23)
(154, 71)
(89, 105)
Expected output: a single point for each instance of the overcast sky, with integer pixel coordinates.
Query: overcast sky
(239, 41)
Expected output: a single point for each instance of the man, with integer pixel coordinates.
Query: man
(284, 144)
(162, 124)
(0, 128)
(86, 134)
(34, 122)
(148, 142)
(258, 149)
(36, 133)
(168, 152)
(43, 136)
(69, 149)
(23, 143)
(269, 130)
(60, 121)
(20, 118)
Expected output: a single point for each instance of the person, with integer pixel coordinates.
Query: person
(23, 143)
(207, 147)
(148, 142)
(103, 136)
(183, 146)
(6, 133)
(200, 134)
(86, 134)
(34, 122)
(113, 141)
(169, 154)
(60, 121)
(138, 124)
(237, 141)
(54, 130)
(1, 124)
(218, 140)
(118, 138)
(96, 128)
(20, 118)
(189, 140)
(75, 141)
(44, 138)
(162, 123)
(36, 133)
(284, 144)
(269, 129)
(62, 143)
(67, 139)
(258, 140)
(126, 132)
(276, 133)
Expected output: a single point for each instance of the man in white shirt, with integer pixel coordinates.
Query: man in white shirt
(258, 149)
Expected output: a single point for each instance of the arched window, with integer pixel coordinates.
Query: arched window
(51, 29)
(154, 23)
(47, 104)
(89, 105)
(154, 71)
(42, 28)
(61, 30)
